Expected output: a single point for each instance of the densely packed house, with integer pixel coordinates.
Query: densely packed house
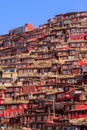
(43, 75)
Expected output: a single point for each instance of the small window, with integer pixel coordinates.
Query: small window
(40, 104)
(83, 44)
(51, 87)
(73, 45)
(67, 107)
(64, 72)
(57, 128)
(45, 118)
(72, 52)
(33, 126)
(65, 128)
(8, 80)
(80, 55)
(39, 118)
(1, 112)
(39, 126)
(16, 89)
(51, 97)
(30, 105)
(21, 119)
(54, 67)
(9, 89)
(33, 118)
(13, 106)
(72, 57)
(7, 95)
(45, 56)
(70, 80)
(65, 57)
(78, 45)
(72, 107)
(2, 107)
(66, 89)
(65, 67)
(64, 53)
(49, 128)
(64, 81)
(60, 95)
(20, 106)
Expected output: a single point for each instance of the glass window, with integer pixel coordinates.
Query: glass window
(72, 57)
(65, 128)
(83, 44)
(80, 55)
(49, 128)
(7, 95)
(30, 105)
(64, 81)
(16, 89)
(59, 23)
(72, 52)
(50, 87)
(34, 126)
(39, 126)
(66, 89)
(67, 107)
(64, 72)
(72, 106)
(78, 45)
(57, 128)
(73, 45)
(1, 112)
(12, 70)
(65, 57)
(45, 118)
(65, 67)
(9, 89)
(2, 107)
(65, 21)
(64, 53)
(45, 56)
(26, 84)
(54, 67)
(60, 95)
(33, 118)
(8, 80)
(39, 118)
(70, 80)
(22, 98)
(51, 97)
(13, 106)
(20, 106)
(21, 119)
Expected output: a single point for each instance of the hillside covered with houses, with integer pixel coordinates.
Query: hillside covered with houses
(43, 75)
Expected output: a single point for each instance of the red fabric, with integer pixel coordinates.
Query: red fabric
(39, 88)
(77, 36)
(29, 48)
(81, 107)
(67, 96)
(11, 113)
(81, 63)
(6, 113)
(21, 108)
(25, 106)
(14, 112)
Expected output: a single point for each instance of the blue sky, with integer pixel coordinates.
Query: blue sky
(15, 13)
